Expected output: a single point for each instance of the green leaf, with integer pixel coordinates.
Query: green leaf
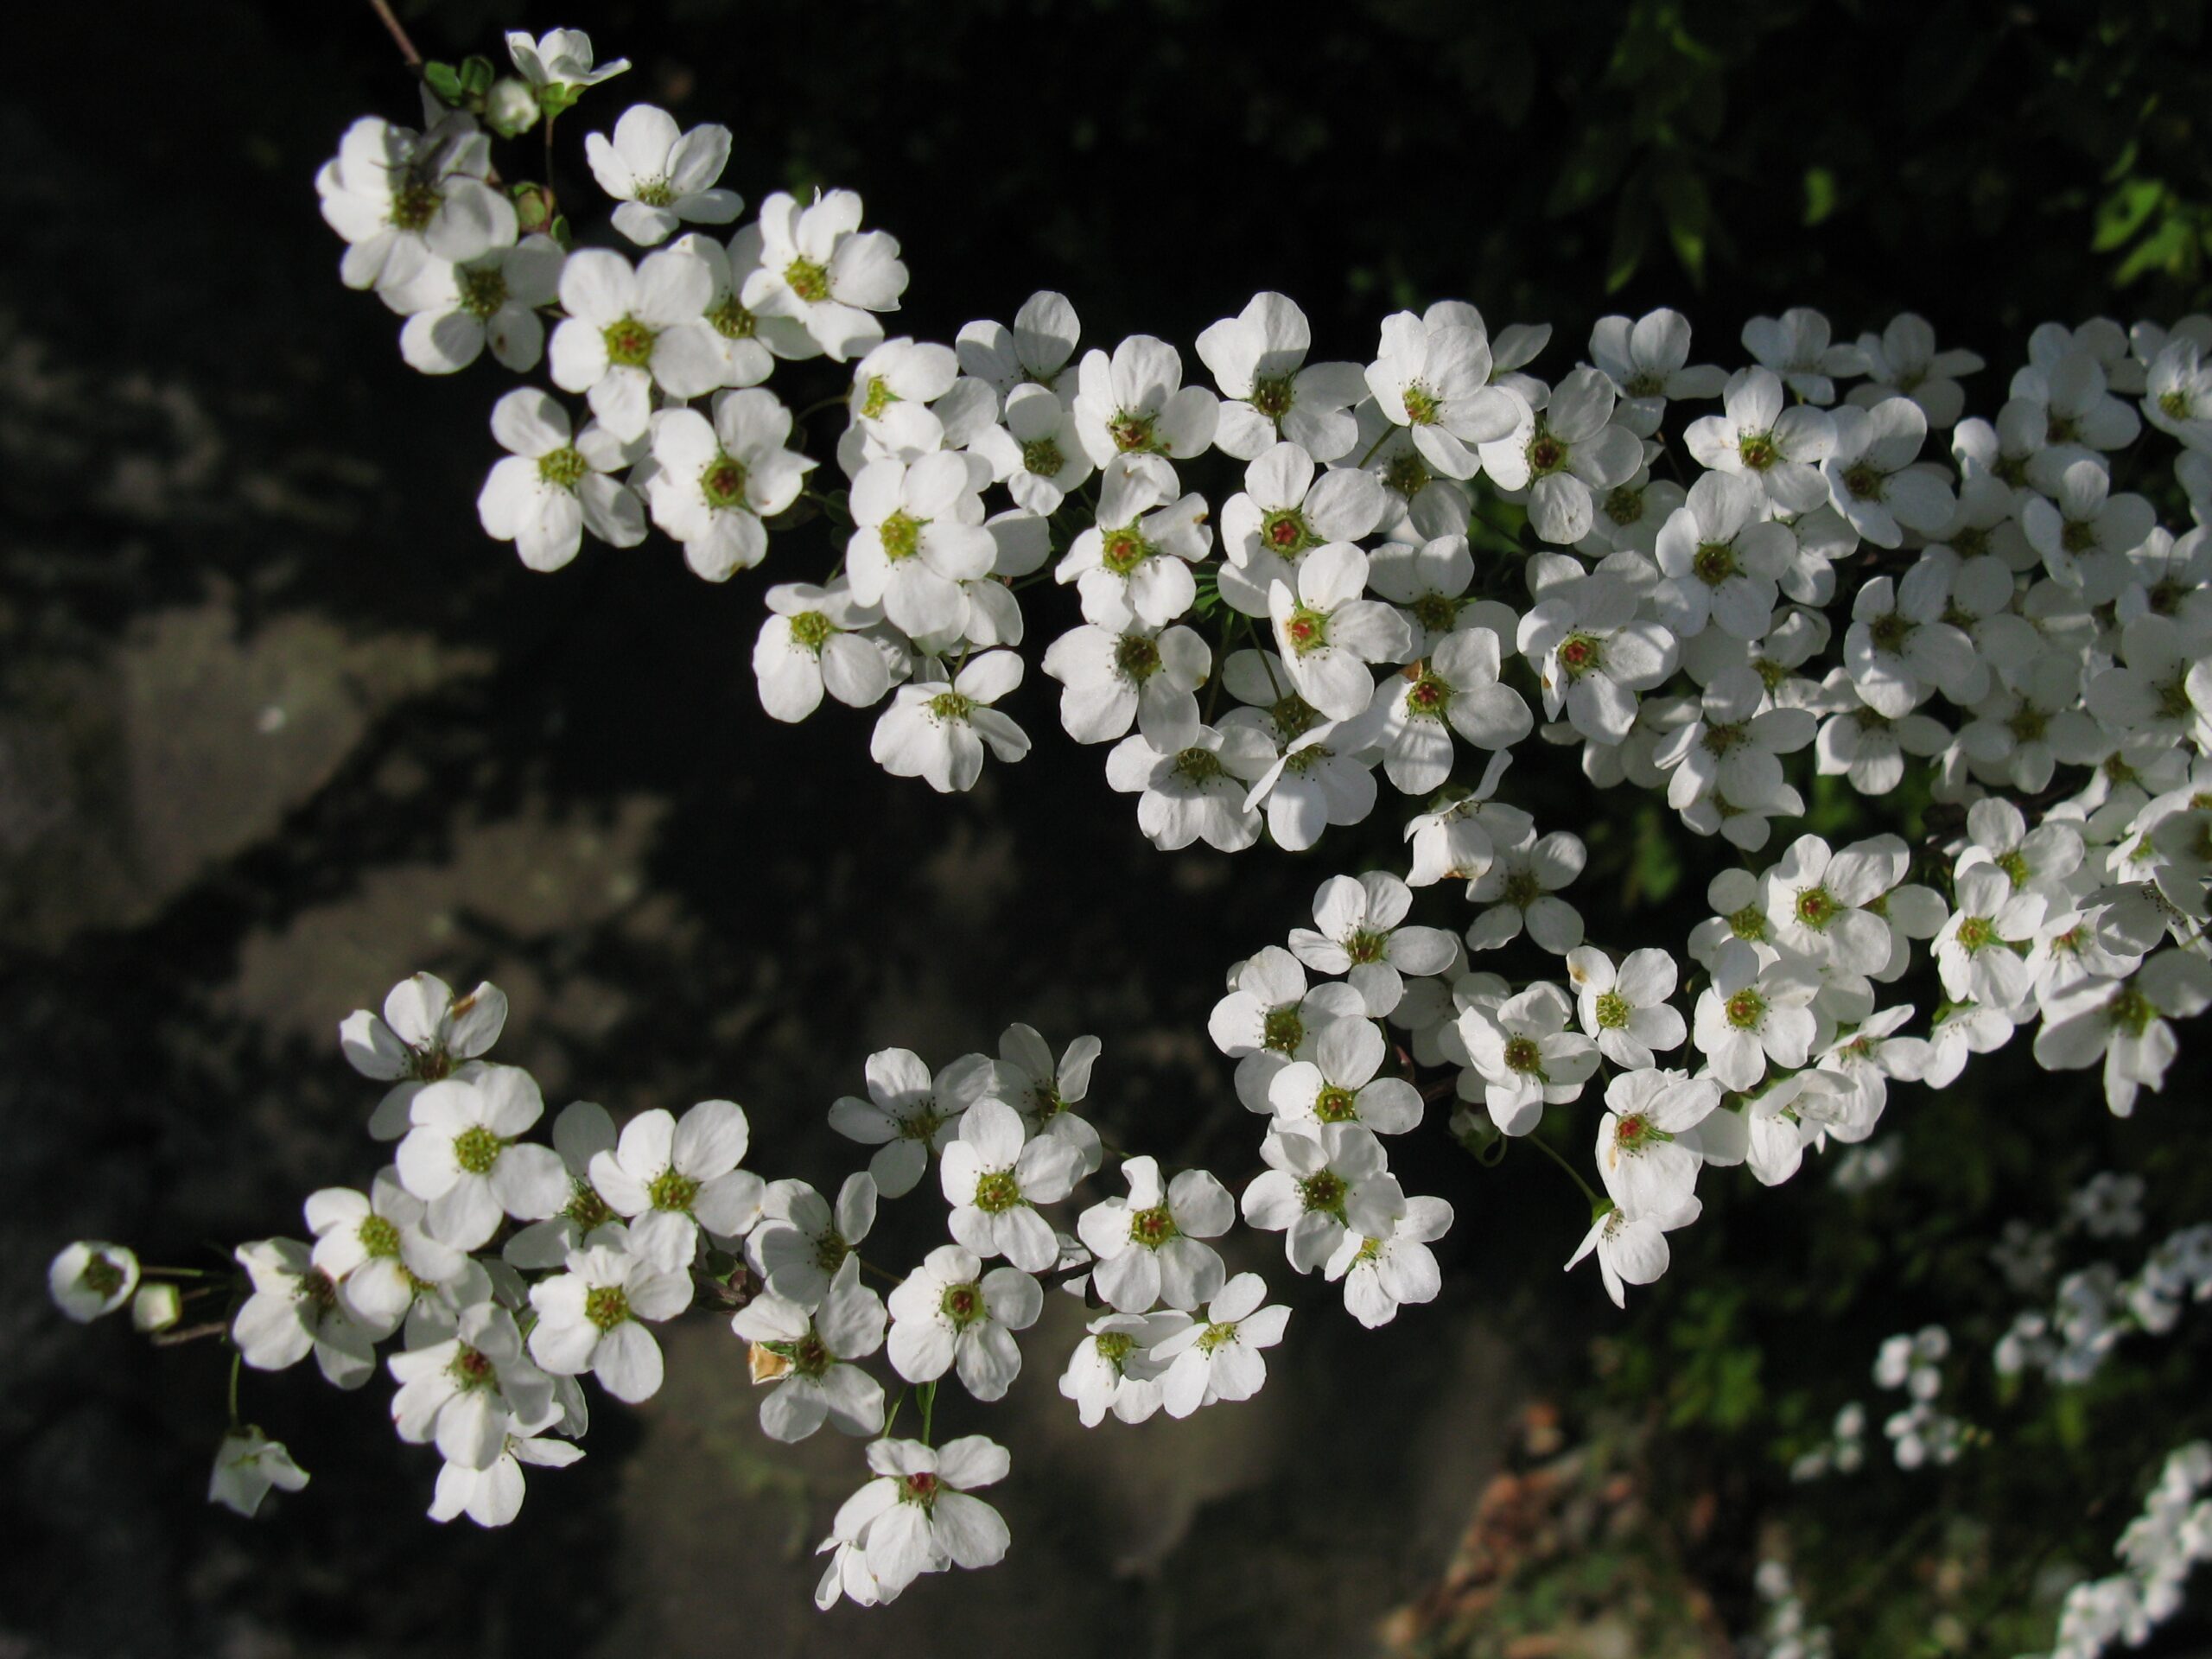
(443, 80)
(2169, 248)
(2125, 211)
(1820, 195)
(476, 74)
(1631, 234)
(1688, 213)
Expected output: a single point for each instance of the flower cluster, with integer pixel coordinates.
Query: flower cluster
(1714, 583)
(2158, 1552)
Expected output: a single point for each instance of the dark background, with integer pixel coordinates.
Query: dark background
(280, 726)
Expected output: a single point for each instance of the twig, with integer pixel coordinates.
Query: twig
(398, 31)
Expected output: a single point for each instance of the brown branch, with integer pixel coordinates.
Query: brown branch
(399, 31)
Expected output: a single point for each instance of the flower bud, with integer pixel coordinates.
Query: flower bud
(510, 107)
(156, 1307)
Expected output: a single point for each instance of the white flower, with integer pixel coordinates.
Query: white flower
(2177, 393)
(425, 1033)
(1592, 655)
(819, 268)
(1646, 1171)
(1459, 841)
(374, 1244)
(295, 1310)
(938, 731)
(551, 486)
(1314, 784)
(583, 1130)
(661, 174)
(1382, 1275)
(629, 330)
(2069, 392)
(1034, 352)
(813, 641)
(1795, 346)
(463, 1393)
(1283, 512)
(1217, 1356)
(1815, 900)
(809, 1353)
(1624, 1009)
(1329, 633)
(802, 1241)
(1872, 479)
(462, 1157)
(1339, 1085)
(592, 1318)
(1258, 359)
(454, 311)
(1147, 1246)
(1647, 361)
(1898, 648)
(1973, 951)
(1457, 689)
(917, 1517)
(1320, 1181)
(1134, 565)
(1427, 582)
(1752, 1014)
(1110, 678)
(493, 1497)
(1723, 559)
(750, 345)
(402, 198)
(2125, 1024)
(994, 1174)
(1572, 450)
(559, 59)
(1025, 1077)
(1903, 363)
(1434, 379)
(714, 482)
(902, 1115)
(950, 1315)
(1036, 454)
(918, 533)
(1269, 1018)
(1112, 1368)
(1518, 889)
(1631, 1249)
(892, 386)
(92, 1277)
(672, 1178)
(1754, 436)
(2162, 684)
(1728, 751)
(1196, 792)
(1526, 1057)
(1362, 934)
(247, 1464)
(1136, 402)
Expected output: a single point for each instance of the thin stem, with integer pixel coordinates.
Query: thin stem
(1572, 1174)
(1377, 444)
(398, 31)
(884, 1273)
(237, 1360)
(928, 1409)
(189, 1333)
(892, 1416)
